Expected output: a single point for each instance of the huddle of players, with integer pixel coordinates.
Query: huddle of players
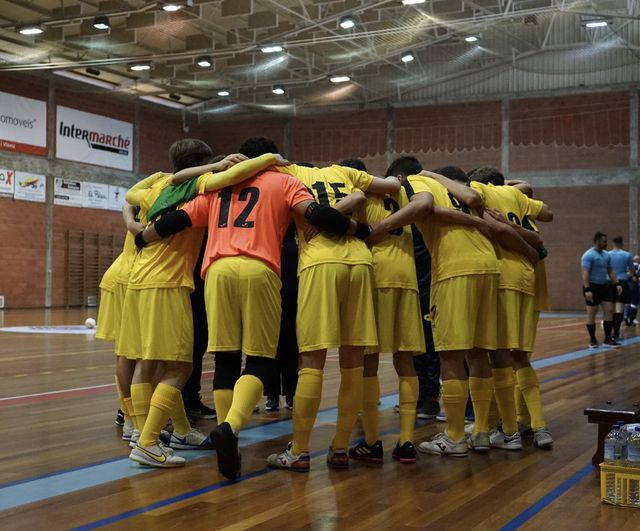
(485, 300)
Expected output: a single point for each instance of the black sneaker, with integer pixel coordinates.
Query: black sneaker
(593, 345)
(405, 453)
(612, 343)
(429, 411)
(198, 410)
(273, 403)
(120, 418)
(289, 403)
(369, 454)
(226, 444)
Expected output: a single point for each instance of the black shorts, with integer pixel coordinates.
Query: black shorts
(602, 293)
(625, 296)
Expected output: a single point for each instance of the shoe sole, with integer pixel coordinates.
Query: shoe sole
(431, 452)
(405, 460)
(189, 447)
(227, 452)
(272, 409)
(372, 460)
(480, 449)
(543, 444)
(506, 447)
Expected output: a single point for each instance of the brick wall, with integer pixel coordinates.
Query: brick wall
(579, 212)
(22, 254)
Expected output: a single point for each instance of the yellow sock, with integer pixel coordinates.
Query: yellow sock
(454, 399)
(222, 399)
(140, 400)
(181, 424)
(528, 383)
(246, 394)
(306, 403)
(163, 404)
(504, 384)
(409, 389)
(481, 390)
(524, 418)
(370, 398)
(349, 400)
(494, 414)
(129, 412)
(123, 406)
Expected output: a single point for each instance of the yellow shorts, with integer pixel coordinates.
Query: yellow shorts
(242, 297)
(464, 312)
(156, 325)
(335, 307)
(398, 317)
(108, 315)
(516, 329)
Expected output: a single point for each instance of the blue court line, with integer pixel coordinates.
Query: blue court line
(197, 492)
(546, 500)
(559, 315)
(69, 480)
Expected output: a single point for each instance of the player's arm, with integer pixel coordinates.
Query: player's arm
(461, 192)
(614, 279)
(420, 206)
(215, 167)
(523, 186)
(237, 173)
(383, 186)
(508, 238)
(351, 203)
(129, 215)
(171, 223)
(454, 216)
(586, 287)
(530, 236)
(135, 195)
(329, 219)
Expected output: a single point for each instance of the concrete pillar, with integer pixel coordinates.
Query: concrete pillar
(390, 132)
(51, 155)
(633, 165)
(505, 139)
(286, 139)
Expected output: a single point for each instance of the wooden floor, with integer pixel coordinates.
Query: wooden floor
(57, 405)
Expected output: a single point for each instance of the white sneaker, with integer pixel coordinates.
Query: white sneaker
(127, 430)
(133, 441)
(194, 440)
(505, 442)
(542, 438)
(288, 461)
(157, 455)
(468, 428)
(442, 445)
(479, 442)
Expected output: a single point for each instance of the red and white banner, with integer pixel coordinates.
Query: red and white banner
(23, 124)
(7, 182)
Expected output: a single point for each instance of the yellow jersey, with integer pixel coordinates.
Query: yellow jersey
(393, 259)
(516, 272)
(167, 263)
(328, 186)
(118, 272)
(541, 301)
(456, 250)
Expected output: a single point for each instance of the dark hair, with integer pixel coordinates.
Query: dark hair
(258, 145)
(189, 152)
(487, 175)
(305, 164)
(404, 166)
(454, 173)
(597, 236)
(353, 163)
(618, 240)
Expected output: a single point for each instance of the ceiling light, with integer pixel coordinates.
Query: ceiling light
(223, 93)
(278, 89)
(175, 97)
(85, 79)
(140, 67)
(413, 2)
(170, 8)
(163, 101)
(339, 79)
(205, 61)
(596, 23)
(92, 71)
(101, 23)
(272, 49)
(407, 57)
(30, 29)
(471, 38)
(347, 22)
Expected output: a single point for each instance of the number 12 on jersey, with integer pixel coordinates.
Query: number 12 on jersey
(250, 195)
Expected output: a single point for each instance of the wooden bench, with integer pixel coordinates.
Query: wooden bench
(605, 417)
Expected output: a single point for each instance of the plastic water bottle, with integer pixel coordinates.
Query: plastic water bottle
(633, 460)
(613, 456)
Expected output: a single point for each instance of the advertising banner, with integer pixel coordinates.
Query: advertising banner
(30, 186)
(116, 197)
(23, 124)
(95, 195)
(67, 192)
(94, 139)
(7, 182)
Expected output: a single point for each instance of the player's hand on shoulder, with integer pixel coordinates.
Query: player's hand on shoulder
(496, 214)
(134, 227)
(232, 160)
(378, 233)
(310, 231)
(281, 161)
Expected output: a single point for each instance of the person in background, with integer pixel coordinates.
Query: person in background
(622, 265)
